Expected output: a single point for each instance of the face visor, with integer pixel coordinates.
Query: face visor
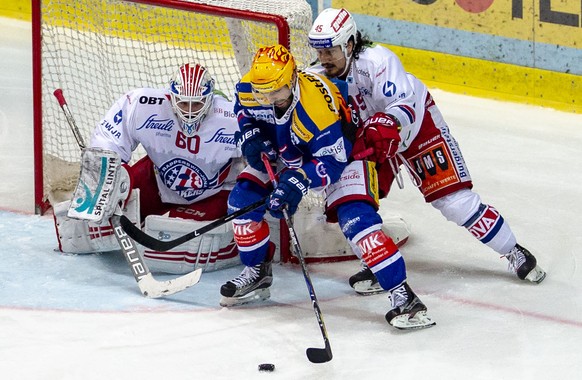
(279, 98)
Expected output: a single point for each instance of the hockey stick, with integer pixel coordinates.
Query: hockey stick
(315, 355)
(58, 93)
(159, 245)
(149, 286)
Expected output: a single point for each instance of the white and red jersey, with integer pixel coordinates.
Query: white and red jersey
(188, 169)
(377, 82)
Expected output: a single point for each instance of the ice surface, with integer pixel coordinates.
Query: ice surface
(83, 317)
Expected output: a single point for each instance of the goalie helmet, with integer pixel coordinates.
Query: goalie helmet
(333, 27)
(273, 75)
(191, 91)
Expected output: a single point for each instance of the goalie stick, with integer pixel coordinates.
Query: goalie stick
(315, 355)
(159, 245)
(148, 285)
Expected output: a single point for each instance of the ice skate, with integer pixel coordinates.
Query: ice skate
(251, 285)
(365, 282)
(524, 264)
(408, 312)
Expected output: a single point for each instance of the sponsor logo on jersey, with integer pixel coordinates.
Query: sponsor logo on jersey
(185, 178)
(160, 124)
(118, 117)
(264, 115)
(389, 89)
(321, 170)
(364, 91)
(365, 73)
(150, 100)
(114, 132)
(222, 138)
(335, 150)
(226, 113)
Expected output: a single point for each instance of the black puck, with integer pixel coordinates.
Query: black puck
(267, 367)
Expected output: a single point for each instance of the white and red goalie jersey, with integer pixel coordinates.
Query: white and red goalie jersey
(383, 85)
(188, 169)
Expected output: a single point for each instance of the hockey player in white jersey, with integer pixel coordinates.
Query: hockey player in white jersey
(402, 124)
(187, 131)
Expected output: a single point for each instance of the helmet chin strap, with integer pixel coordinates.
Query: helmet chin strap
(348, 60)
(347, 66)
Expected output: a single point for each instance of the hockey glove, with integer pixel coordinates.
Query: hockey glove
(293, 185)
(253, 144)
(381, 133)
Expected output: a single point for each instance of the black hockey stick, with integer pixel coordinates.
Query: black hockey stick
(159, 245)
(315, 355)
(148, 285)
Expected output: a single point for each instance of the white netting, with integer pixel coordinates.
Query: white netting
(96, 50)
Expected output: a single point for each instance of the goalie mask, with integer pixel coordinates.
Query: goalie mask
(191, 90)
(333, 27)
(273, 76)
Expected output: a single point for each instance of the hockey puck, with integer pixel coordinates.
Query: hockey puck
(267, 367)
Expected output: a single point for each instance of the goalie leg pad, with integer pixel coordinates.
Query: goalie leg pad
(211, 251)
(83, 237)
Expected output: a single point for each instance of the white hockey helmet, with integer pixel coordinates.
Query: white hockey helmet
(333, 27)
(191, 91)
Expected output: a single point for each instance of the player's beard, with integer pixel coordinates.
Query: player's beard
(334, 69)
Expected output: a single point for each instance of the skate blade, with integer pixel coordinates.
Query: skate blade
(254, 296)
(365, 288)
(418, 321)
(536, 275)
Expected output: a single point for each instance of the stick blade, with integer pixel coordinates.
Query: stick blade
(319, 355)
(152, 288)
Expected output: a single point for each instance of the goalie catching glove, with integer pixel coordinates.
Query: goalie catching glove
(381, 133)
(253, 145)
(293, 185)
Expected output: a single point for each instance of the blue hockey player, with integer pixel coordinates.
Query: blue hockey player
(301, 120)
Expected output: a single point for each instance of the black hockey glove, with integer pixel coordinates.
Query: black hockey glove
(253, 145)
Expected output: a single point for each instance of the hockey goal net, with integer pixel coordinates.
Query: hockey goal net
(96, 50)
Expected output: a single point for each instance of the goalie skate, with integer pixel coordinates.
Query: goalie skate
(408, 312)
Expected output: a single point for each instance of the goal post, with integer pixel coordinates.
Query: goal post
(97, 50)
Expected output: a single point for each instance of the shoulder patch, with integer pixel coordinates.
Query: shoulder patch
(300, 130)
